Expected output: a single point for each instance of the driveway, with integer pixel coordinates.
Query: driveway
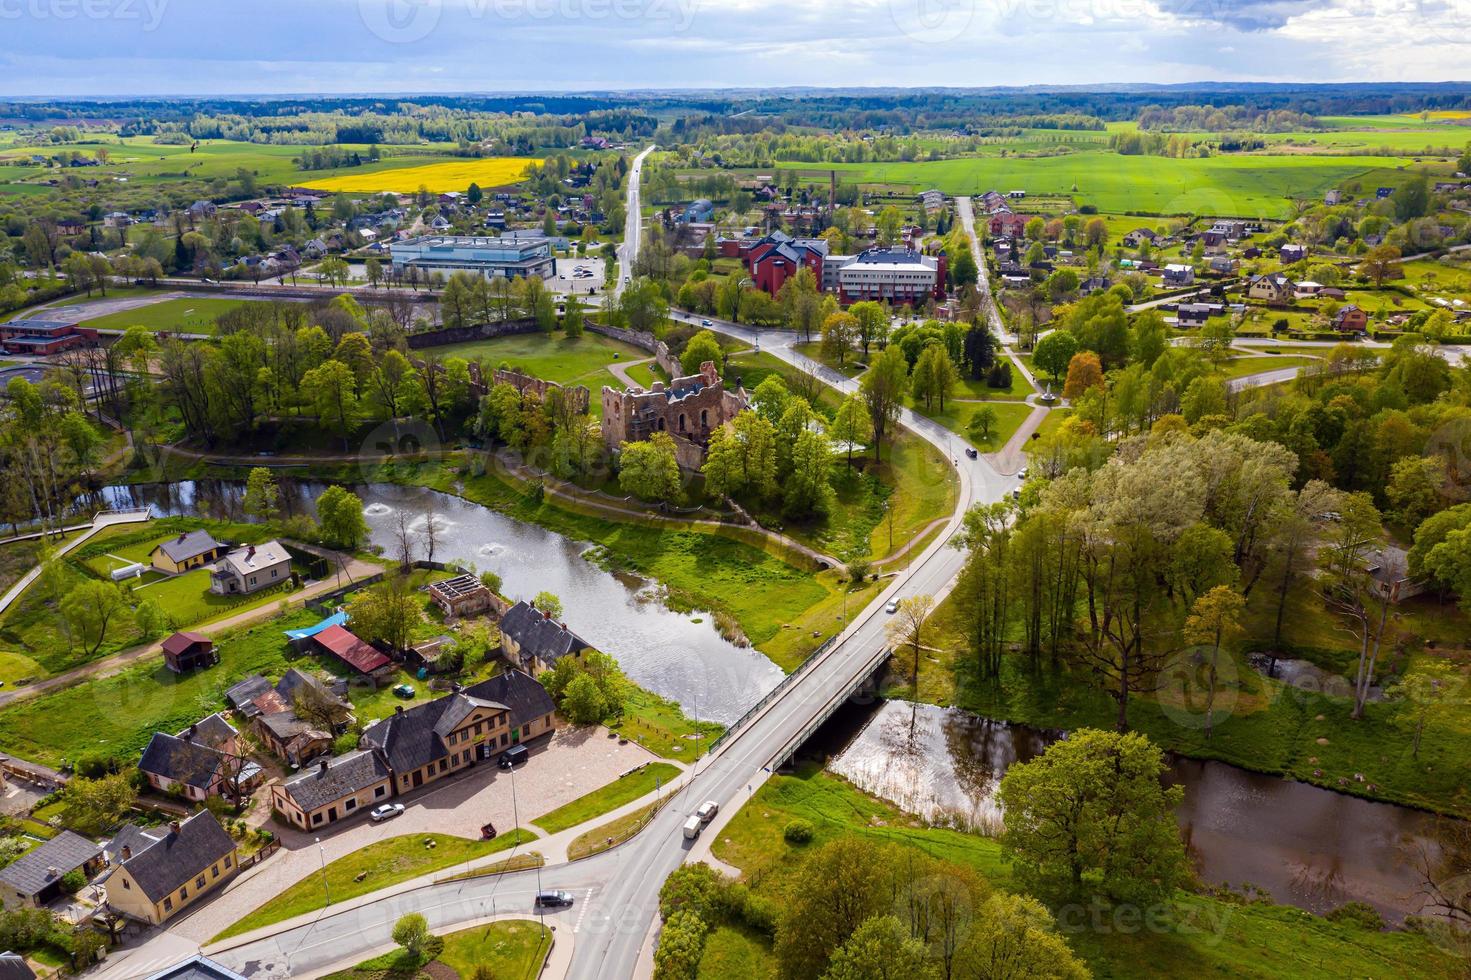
(572, 763)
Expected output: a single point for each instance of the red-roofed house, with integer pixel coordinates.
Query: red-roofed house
(185, 651)
(351, 650)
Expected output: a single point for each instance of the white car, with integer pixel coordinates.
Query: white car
(386, 812)
(892, 607)
(705, 323)
(707, 811)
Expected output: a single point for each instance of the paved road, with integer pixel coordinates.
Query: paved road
(632, 223)
(966, 212)
(617, 891)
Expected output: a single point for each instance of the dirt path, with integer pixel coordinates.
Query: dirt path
(1012, 457)
(356, 569)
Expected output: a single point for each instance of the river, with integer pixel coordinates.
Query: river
(679, 656)
(1302, 845)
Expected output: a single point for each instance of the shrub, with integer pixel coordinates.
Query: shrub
(797, 832)
(1360, 914)
(73, 881)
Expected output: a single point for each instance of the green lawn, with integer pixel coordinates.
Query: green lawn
(173, 315)
(1208, 936)
(957, 415)
(612, 833)
(566, 360)
(660, 725)
(646, 374)
(624, 789)
(116, 716)
(512, 949)
(382, 863)
(1240, 367)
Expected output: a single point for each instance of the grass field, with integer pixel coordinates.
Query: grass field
(510, 949)
(1244, 940)
(171, 315)
(381, 864)
(1239, 367)
(624, 789)
(1242, 185)
(488, 172)
(556, 357)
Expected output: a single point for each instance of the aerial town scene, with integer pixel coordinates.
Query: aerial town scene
(895, 490)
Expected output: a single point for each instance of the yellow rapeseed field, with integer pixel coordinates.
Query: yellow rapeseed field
(455, 175)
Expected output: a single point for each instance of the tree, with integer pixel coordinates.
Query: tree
(807, 487)
(681, 945)
(1214, 619)
(582, 701)
(331, 388)
(982, 423)
(340, 517)
(97, 806)
(411, 932)
(872, 324)
(881, 948)
(150, 618)
(835, 890)
(649, 470)
(703, 346)
(934, 376)
(1012, 937)
(1054, 353)
(1380, 263)
(907, 626)
(386, 612)
(549, 603)
(883, 391)
(1091, 818)
(741, 458)
(838, 332)
(1349, 588)
(262, 497)
(851, 425)
(89, 608)
(1084, 372)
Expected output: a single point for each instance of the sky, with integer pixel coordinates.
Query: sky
(213, 47)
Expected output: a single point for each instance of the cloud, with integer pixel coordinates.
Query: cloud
(1243, 15)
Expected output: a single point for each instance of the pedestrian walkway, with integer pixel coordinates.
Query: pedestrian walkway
(101, 522)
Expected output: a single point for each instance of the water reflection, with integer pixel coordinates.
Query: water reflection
(1300, 844)
(664, 651)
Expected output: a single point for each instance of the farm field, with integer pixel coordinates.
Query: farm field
(1244, 186)
(437, 177)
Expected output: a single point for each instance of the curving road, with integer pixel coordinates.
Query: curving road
(612, 924)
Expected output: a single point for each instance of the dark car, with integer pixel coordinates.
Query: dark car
(553, 900)
(513, 757)
(972, 453)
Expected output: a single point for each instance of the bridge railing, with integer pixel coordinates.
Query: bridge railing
(829, 708)
(772, 695)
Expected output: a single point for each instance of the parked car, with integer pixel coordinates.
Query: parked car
(1021, 474)
(892, 607)
(692, 827)
(513, 757)
(386, 812)
(404, 691)
(553, 900)
(707, 811)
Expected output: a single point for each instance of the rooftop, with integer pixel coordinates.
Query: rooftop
(30, 873)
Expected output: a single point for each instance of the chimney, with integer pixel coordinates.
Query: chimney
(322, 765)
(456, 687)
(127, 853)
(249, 552)
(174, 827)
(398, 709)
(193, 727)
(182, 536)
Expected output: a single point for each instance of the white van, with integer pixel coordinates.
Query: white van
(692, 827)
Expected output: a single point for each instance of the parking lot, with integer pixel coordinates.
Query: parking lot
(572, 763)
(568, 283)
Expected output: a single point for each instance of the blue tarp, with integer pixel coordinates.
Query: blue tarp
(336, 619)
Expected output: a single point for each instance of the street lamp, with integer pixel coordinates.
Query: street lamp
(322, 853)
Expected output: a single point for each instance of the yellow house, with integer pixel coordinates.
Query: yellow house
(157, 873)
(191, 549)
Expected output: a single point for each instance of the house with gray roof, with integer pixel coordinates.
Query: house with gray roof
(534, 642)
(191, 766)
(13, 966)
(250, 569)
(333, 789)
(443, 736)
(198, 967)
(191, 549)
(159, 872)
(35, 878)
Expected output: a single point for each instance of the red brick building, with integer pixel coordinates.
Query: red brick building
(777, 257)
(43, 337)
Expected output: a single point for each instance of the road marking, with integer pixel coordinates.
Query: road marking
(586, 903)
